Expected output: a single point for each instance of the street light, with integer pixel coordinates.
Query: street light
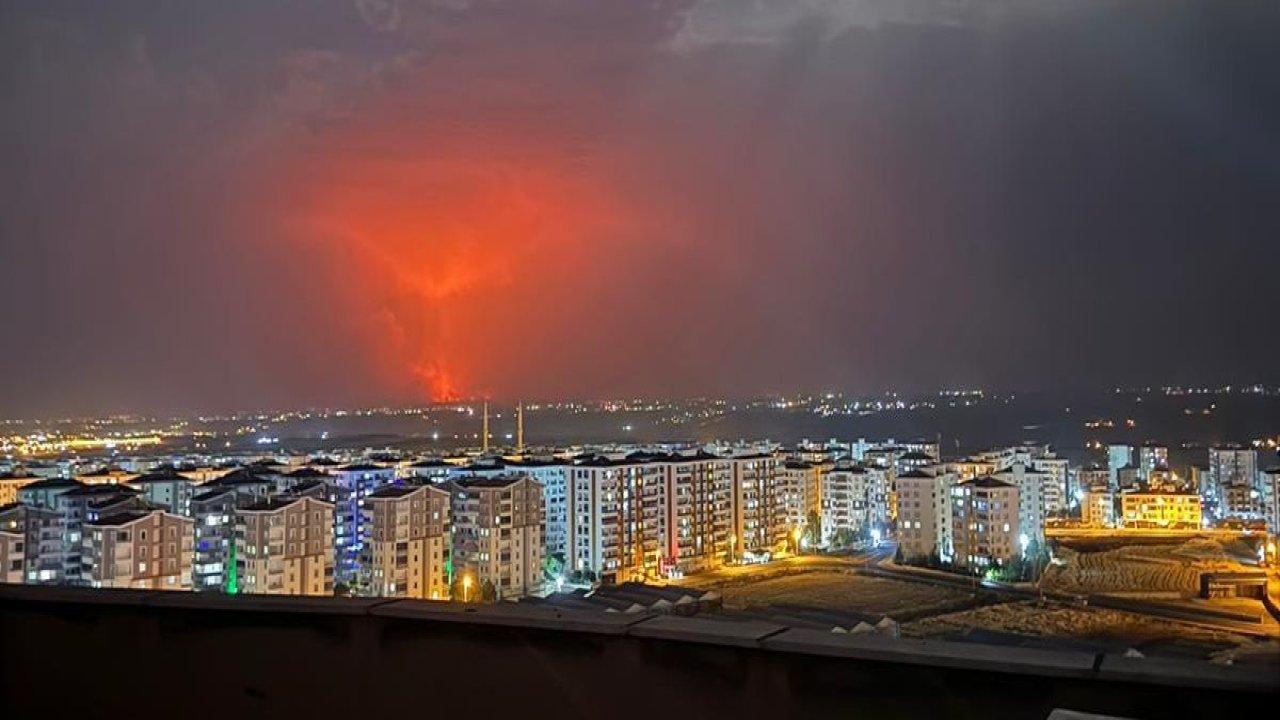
(795, 536)
(466, 587)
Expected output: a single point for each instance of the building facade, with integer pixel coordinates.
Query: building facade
(409, 543)
(985, 523)
(285, 547)
(497, 534)
(143, 550)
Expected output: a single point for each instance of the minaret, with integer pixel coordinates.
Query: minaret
(520, 428)
(484, 432)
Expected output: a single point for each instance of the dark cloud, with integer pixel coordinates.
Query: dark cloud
(249, 204)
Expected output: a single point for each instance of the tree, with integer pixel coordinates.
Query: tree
(553, 566)
(813, 528)
(488, 593)
(897, 556)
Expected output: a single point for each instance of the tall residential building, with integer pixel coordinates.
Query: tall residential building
(1233, 482)
(147, 550)
(801, 485)
(408, 546)
(1271, 477)
(924, 513)
(497, 534)
(88, 503)
(351, 484)
(699, 522)
(1055, 486)
(285, 547)
(1032, 498)
(1151, 456)
(41, 531)
(618, 528)
(848, 496)
(553, 475)
(213, 507)
(13, 544)
(984, 519)
(1118, 456)
(166, 489)
(760, 507)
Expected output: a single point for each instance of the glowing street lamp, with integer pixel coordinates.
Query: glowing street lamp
(795, 537)
(466, 587)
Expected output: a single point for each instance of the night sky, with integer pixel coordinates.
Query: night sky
(253, 204)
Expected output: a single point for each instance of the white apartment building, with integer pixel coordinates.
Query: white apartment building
(1032, 508)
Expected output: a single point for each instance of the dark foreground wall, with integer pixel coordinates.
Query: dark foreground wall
(92, 654)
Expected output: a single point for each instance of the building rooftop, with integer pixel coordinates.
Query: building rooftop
(497, 481)
(242, 476)
(50, 483)
(94, 490)
(361, 467)
(277, 502)
(987, 481)
(118, 519)
(160, 475)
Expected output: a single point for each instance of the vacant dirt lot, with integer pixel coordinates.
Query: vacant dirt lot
(1174, 568)
(840, 591)
(1026, 618)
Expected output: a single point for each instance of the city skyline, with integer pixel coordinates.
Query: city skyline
(380, 202)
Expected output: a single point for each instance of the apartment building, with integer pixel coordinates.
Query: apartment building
(801, 484)
(699, 511)
(618, 527)
(853, 499)
(408, 546)
(760, 504)
(166, 489)
(41, 531)
(214, 507)
(11, 483)
(1033, 500)
(145, 550)
(497, 534)
(13, 544)
(1150, 508)
(285, 547)
(1233, 482)
(924, 513)
(1098, 507)
(87, 503)
(350, 485)
(985, 523)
